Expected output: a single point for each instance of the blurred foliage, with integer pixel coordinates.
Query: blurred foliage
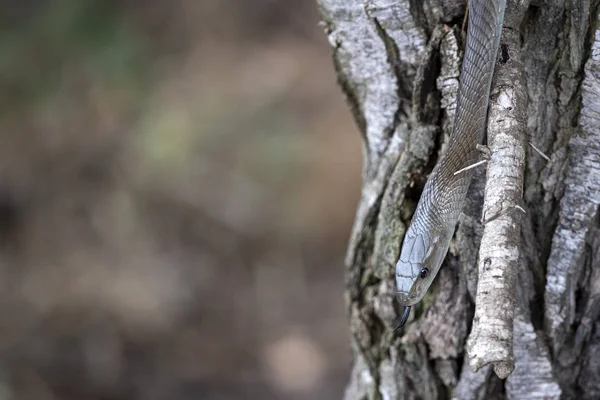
(64, 37)
(177, 184)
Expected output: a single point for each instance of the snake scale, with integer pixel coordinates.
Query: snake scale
(428, 237)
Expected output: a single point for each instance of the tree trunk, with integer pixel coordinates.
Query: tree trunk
(398, 63)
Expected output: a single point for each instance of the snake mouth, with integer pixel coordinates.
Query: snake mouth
(407, 299)
(403, 297)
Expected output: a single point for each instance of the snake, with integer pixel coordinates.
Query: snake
(428, 237)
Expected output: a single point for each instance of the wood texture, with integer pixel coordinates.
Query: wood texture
(397, 63)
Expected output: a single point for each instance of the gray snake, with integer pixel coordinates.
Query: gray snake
(428, 237)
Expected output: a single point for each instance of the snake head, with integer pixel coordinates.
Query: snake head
(420, 259)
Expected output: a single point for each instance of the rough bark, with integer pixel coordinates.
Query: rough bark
(398, 65)
(491, 339)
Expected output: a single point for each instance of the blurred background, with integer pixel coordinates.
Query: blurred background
(178, 181)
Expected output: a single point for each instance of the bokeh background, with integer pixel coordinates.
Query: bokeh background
(178, 181)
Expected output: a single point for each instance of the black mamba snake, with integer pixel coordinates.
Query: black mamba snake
(427, 240)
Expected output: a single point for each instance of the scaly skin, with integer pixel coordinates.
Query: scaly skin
(427, 240)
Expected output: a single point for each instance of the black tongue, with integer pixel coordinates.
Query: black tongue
(404, 318)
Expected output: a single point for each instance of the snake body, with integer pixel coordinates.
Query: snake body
(428, 237)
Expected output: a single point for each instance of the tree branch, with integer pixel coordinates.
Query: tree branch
(491, 339)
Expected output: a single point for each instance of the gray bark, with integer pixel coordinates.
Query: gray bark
(491, 338)
(398, 65)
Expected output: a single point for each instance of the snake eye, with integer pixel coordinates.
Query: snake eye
(424, 272)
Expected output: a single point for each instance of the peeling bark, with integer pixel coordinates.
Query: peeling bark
(398, 63)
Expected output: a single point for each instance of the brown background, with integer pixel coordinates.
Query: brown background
(178, 182)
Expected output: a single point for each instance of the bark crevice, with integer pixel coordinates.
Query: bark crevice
(381, 49)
